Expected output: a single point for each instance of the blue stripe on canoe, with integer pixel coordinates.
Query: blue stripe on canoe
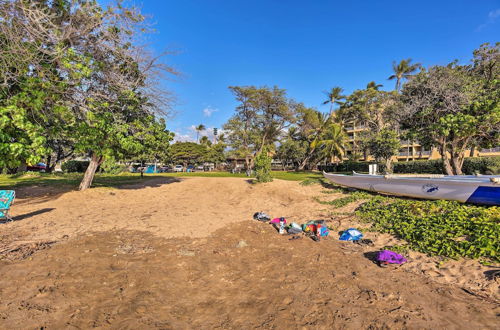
(486, 196)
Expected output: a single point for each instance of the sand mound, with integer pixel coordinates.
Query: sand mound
(166, 207)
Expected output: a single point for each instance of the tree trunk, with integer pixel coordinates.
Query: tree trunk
(49, 167)
(88, 177)
(248, 163)
(304, 163)
(407, 150)
(22, 168)
(456, 165)
(446, 161)
(472, 151)
(388, 165)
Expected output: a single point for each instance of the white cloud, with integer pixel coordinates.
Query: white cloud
(492, 17)
(189, 134)
(494, 13)
(208, 111)
(179, 137)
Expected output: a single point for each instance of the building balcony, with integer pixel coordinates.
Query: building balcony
(490, 150)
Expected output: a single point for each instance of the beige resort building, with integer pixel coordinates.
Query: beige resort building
(410, 150)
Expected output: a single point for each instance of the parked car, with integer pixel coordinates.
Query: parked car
(178, 168)
(190, 168)
(165, 169)
(200, 168)
(40, 167)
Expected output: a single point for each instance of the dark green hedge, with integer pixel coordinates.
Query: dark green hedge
(75, 166)
(483, 165)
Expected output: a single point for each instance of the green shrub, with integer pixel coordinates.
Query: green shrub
(110, 166)
(72, 166)
(443, 228)
(482, 165)
(263, 167)
(419, 166)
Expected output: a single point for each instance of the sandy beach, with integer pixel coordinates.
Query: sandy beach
(185, 253)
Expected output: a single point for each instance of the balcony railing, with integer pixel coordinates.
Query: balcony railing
(497, 149)
(416, 154)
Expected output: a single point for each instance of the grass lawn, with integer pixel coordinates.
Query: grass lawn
(112, 180)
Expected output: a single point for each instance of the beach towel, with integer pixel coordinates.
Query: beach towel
(351, 234)
(323, 231)
(387, 256)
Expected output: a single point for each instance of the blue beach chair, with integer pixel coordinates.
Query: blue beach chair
(6, 199)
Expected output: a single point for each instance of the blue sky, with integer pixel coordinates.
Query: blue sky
(304, 46)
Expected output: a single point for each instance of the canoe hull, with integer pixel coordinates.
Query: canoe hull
(480, 191)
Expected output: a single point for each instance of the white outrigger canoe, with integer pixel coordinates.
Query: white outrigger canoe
(466, 189)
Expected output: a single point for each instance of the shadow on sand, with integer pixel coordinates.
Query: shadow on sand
(28, 215)
(42, 193)
(148, 183)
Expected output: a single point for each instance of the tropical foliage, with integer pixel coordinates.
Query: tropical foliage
(75, 81)
(443, 228)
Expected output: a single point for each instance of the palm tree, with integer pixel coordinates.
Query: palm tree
(221, 138)
(198, 129)
(334, 97)
(332, 142)
(403, 70)
(319, 122)
(373, 85)
(205, 141)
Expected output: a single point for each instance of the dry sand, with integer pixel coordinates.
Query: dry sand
(185, 253)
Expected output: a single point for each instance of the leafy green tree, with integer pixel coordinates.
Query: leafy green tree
(98, 84)
(370, 107)
(20, 139)
(384, 145)
(187, 153)
(403, 70)
(259, 120)
(263, 166)
(215, 153)
(334, 96)
(292, 151)
(154, 139)
(454, 107)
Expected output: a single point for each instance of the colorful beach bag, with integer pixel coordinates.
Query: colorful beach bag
(351, 234)
(390, 257)
(277, 220)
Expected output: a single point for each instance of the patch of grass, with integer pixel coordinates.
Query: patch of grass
(343, 201)
(113, 180)
(202, 174)
(296, 176)
(65, 179)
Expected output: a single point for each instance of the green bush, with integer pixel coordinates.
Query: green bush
(482, 165)
(419, 166)
(263, 167)
(347, 166)
(110, 166)
(442, 228)
(72, 166)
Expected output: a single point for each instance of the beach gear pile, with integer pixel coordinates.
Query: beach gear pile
(316, 229)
